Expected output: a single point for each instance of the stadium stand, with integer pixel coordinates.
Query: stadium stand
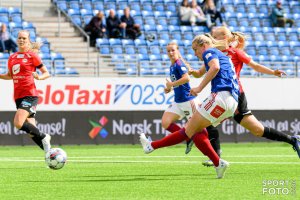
(12, 17)
(159, 18)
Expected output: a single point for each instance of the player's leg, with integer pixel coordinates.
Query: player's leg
(257, 129)
(213, 135)
(36, 139)
(168, 120)
(26, 109)
(245, 118)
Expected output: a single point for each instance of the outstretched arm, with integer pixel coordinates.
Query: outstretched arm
(265, 70)
(6, 76)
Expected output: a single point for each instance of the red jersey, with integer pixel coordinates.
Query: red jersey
(238, 58)
(21, 66)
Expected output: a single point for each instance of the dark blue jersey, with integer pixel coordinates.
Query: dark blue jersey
(226, 79)
(182, 92)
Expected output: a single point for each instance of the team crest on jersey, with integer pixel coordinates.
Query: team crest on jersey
(24, 60)
(20, 56)
(16, 69)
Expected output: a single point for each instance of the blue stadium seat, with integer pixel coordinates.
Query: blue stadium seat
(163, 43)
(155, 50)
(164, 36)
(152, 43)
(160, 28)
(71, 71)
(158, 14)
(135, 6)
(187, 43)
(147, 7)
(148, 27)
(114, 41)
(143, 50)
(186, 29)
(146, 13)
(74, 5)
(153, 57)
(130, 50)
(127, 42)
(139, 42)
(165, 57)
(162, 21)
(143, 57)
(62, 5)
(174, 21)
(13, 11)
(176, 36)
(116, 49)
(104, 50)
(98, 5)
(159, 7)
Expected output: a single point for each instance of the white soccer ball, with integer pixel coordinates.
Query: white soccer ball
(56, 158)
(150, 37)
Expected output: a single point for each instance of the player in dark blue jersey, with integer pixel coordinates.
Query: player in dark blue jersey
(220, 105)
(184, 104)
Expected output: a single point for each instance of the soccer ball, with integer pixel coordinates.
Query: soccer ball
(150, 37)
(56, 158)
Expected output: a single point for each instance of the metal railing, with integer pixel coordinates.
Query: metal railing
(131, 66)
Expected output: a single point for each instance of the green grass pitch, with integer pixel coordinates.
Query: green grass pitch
(125, 172)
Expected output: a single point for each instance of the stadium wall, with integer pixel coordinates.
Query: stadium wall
(114, 110)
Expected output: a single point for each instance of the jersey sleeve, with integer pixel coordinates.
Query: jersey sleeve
(244, 57)
(37, 62)
(208, 56)
(181, 68)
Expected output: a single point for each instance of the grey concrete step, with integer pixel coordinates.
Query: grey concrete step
(65, 39)
(55, 34)
(75, 50)
(70, 45)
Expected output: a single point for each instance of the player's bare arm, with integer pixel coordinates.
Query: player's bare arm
(214, 68)
(45, 74)
(265, 70)
(6, 76)
(197, 73)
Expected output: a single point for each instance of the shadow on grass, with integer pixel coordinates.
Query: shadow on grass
(128, 178)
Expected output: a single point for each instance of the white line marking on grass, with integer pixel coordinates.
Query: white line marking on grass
(147, 156)
(151, 161)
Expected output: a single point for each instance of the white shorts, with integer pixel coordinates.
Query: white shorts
(218, 107)
(184, 109)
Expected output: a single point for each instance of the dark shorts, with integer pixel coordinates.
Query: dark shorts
(242, 109)
(29, 104)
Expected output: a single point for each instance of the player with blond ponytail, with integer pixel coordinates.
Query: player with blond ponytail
(22, 67)
(235, 43)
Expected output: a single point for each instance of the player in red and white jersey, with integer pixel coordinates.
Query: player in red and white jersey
(235, 45)
(22, 67)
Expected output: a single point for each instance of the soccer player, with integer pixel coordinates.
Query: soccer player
(22, 67)
(220, 105)
(184, 104)
(235, 43)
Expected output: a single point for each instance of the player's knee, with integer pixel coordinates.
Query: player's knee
(257, 131)
(18, 124)
(165, 124)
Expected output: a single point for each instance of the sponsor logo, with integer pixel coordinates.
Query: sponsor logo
(16, 69)
(73, 94)
(217, 111)
(20, 56)
(24, 60)
(25, 104)
(98, 128)
(120, 90)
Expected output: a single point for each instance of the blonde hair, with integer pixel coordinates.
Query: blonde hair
(232, 37)
(33, 46)
(180, 56)
(209, 40)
